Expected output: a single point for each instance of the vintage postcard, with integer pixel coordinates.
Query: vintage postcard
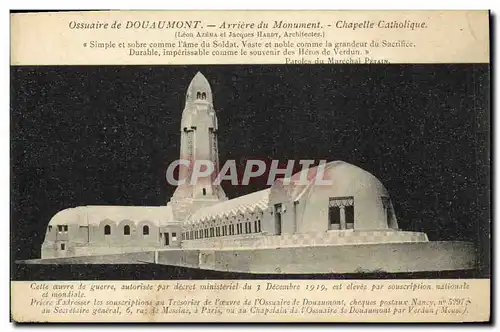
(250, 166)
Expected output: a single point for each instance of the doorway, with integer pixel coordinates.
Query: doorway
(277, 219)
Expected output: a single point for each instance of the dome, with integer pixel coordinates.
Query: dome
(66, 217)
(338, 173)
(199, 89)
(94, 214)
(339, 183)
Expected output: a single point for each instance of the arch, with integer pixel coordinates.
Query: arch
(198, 95)
(203, 95)
(126, 230)
(145, 230)
(107, 230)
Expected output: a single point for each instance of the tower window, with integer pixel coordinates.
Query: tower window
(63, 246)
(198, 95)
(204, 192)
(107, 230)
(50, 228)
(62, 228)
(203, 96)
(126, 230)
(145, 230)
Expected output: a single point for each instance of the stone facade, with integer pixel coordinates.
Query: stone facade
(91, 230)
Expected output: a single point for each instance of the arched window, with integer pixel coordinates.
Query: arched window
(126, 230)
(198, 95)
(203, 96)
(145, 230)
(107, 230)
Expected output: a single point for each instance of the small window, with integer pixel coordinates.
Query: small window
(145, 230)
(63, 246)
(50, 228)
(256, 226)
(349, 214)
(203, 96)
(65, 228)
(174, 236)
(334, 215)
(389, 212)
(59, 228)
(107, 230)
(126, 230)
(204, 192)
(198, 95)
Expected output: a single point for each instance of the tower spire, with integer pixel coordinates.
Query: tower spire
(199, 90)
(198, 143)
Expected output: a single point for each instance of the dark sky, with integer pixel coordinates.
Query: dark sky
(104, 135)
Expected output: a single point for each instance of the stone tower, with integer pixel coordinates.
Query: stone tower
(198, 143)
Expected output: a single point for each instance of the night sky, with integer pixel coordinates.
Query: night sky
(88, 135)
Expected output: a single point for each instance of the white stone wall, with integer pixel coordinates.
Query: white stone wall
(330, 238)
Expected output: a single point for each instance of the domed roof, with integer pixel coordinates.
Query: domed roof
(94, 214)
(247, 203)
(337, 173)
(66, 216)
(199, 85)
